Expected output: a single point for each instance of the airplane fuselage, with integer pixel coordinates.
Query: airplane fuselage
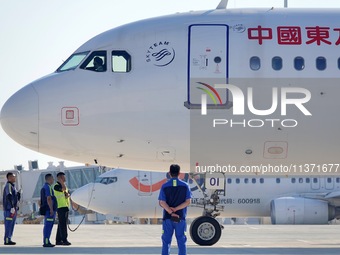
(137, 111)
(245, 196)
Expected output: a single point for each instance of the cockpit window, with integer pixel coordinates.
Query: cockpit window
(106, 180)
(95, 62)
(121, 61)
(72, 62)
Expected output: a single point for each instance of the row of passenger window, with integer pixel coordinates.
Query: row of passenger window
(299, 63)
(97, 62)
(278, 180)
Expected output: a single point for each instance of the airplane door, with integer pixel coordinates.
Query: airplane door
(144, 183)
(207, 65)
(329, 183)
(315, 183)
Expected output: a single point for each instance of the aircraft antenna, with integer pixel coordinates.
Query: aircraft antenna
(285, 3)
(223, 4)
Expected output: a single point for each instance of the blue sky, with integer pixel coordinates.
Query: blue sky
(37, 35)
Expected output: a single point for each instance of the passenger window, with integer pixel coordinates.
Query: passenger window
(278, 180)
(300, 180)
(121, 61)
(253, 180)
(315, 180)
(277, 63)
(95, 62)
(338, 63)
(307, 180)
(321, 63)
(293, 180)
(254, 63)
(337, 179)
(229, 181)
(329, 180)
(261, 180)
(246, 180)
(299, 63)
(237, 180)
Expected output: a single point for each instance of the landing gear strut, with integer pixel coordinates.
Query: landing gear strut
(206, 230)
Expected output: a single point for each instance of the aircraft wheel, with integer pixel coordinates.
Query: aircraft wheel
(205, 231)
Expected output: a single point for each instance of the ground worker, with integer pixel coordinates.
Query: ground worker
(63, 201)
(49, 208)
(10, 206)
(174, 197)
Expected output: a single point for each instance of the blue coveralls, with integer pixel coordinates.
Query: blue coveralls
(174, 192)
(10, 200)
(47, 191)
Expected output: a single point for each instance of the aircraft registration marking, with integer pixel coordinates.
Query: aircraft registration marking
(241, 201)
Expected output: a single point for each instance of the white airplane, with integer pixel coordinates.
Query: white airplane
(209, 90)
(293, 200)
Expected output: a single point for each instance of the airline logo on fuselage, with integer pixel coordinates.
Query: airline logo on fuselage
(138, 185)
(293, 35)
(160, 54)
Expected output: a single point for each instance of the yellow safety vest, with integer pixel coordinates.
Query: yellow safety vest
(62, 200)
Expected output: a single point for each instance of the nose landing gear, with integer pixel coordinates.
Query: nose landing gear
(206, 230)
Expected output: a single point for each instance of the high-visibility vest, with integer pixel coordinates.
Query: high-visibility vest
(62, 200)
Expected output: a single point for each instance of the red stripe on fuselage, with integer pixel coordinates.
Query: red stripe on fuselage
(146, 188)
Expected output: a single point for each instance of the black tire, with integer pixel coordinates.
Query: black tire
(205, 231)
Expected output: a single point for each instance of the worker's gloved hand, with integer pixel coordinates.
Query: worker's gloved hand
(12, 210)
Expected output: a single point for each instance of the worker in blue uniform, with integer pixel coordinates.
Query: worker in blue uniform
(174, 197)
(49, 209)
(10, 206)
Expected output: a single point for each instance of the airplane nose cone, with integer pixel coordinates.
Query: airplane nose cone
(20, 117)
(82, 195)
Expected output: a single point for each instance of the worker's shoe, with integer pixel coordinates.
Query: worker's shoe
(66, 243)
(49, 245)
(10, 243)
(59, 243)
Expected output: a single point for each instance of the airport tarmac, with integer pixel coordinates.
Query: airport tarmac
(145, 239)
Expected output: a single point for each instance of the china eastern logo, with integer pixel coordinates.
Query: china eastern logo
(243, 103)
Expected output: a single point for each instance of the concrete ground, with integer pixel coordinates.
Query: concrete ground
(145, 239)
